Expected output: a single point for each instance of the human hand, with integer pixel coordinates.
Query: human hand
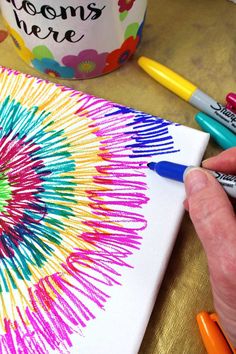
(214, 220)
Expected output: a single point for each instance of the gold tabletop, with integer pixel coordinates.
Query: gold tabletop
(198, 40)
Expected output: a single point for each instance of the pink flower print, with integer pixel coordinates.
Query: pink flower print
(88, 63)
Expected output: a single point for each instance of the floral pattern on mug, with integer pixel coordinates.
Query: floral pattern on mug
(125, 5)
(3, 35)
(132, 30)
(41, 52)
(140, 31)
(52, 68)
(88, 63)
(45, 62)
(19, 43)
(119, 56)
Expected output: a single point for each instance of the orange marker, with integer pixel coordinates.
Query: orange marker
(213, 337)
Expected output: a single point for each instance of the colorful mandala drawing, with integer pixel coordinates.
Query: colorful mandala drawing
(73, 184)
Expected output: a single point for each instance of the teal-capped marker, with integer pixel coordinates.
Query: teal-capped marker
(223, 136)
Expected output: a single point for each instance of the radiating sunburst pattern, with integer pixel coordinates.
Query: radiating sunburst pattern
(72, 188)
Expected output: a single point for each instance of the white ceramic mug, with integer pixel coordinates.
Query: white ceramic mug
(75, 39)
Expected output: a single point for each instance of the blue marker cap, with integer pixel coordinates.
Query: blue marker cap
(223, 136)
(168, 169)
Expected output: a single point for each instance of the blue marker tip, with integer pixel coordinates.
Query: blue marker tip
(152, 165)
(168, 169)
(177, 172)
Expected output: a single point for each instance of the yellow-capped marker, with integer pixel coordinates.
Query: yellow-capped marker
(168, 78)
(189, 92)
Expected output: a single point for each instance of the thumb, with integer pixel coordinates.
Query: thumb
(211, 212)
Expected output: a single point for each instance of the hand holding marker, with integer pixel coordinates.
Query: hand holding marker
(188, 92)
(177, 172)
(214, 220)
(215, 223)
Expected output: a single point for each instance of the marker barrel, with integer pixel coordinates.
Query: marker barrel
(189, 92)
(223, 136)
(214, 109)
(228, 182)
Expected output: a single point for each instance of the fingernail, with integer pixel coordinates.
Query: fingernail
(195, 180)
(206, 160)
(209, 159)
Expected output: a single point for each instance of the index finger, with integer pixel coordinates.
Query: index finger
(224, 162)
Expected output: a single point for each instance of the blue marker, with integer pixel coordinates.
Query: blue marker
(177, 172)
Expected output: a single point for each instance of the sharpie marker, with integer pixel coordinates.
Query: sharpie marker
(177, 172)
(189, 92)
(231, 101)
(223, 136)
(212, 333)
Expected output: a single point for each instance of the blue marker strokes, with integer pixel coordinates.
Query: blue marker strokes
(150, 134)
(177, 172)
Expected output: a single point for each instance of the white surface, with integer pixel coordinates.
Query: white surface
(119, 329)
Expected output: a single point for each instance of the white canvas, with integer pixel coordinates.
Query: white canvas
(86, 229)
(122, 329)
